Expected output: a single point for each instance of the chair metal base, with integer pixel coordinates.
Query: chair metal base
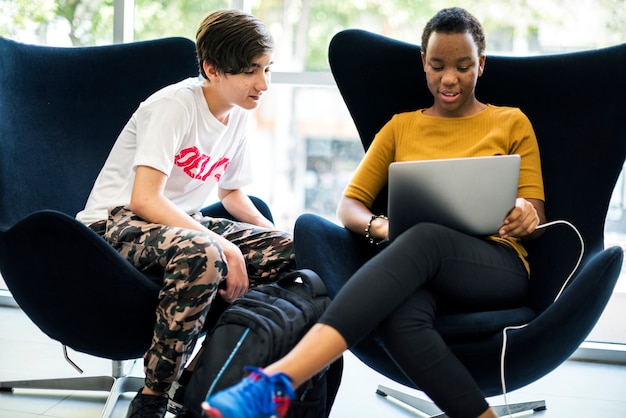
(116, 385)
(431, 410)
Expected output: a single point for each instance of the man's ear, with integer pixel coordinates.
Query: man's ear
(210, 71)
(423, 60)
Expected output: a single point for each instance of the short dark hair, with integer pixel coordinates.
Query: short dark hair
(230, 40)
(455, 20)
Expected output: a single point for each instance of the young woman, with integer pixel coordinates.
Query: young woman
(397, 292)
(183, 142)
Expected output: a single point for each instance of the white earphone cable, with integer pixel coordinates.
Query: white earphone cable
(504, 331)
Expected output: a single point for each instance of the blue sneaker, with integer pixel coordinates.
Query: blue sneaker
(256, 396)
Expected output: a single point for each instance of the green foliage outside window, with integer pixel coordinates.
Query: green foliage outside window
(303, 28)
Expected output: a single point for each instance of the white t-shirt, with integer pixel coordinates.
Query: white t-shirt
(174, 132)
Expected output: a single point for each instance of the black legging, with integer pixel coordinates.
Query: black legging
(397, 293)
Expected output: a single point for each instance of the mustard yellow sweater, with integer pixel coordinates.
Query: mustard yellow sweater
(415, 136)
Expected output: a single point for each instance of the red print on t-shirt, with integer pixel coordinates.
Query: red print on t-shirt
(196, 164)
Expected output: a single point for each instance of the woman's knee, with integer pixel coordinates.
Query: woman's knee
(416, 313)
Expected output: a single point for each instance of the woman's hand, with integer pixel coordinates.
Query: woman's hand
(523, 219)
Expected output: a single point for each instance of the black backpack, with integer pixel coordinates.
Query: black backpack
(258, 328)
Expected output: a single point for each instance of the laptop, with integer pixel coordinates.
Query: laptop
(472, 195)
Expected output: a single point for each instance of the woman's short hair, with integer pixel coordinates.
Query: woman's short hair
(455, 20)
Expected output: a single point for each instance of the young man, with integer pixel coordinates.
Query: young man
(181, 143)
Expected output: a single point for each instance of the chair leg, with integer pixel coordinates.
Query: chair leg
(430, 409)
(503, 410)
(116, 384)
(122, 385)
(422, 405)
(99, 383)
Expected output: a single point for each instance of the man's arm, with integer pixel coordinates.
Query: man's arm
(148, 201)
(238, 204)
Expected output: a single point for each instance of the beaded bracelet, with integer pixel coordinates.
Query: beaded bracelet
(368, 236)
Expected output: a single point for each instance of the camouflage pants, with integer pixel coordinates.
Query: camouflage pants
(194, 266)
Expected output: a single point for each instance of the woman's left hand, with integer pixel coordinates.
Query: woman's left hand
(523, 219)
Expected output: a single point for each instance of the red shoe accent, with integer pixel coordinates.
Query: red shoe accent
(282, 405)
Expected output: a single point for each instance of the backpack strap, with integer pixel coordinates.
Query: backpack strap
(309, 277)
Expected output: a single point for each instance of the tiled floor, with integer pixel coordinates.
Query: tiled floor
(574, 390)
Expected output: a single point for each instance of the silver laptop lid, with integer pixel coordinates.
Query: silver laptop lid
(472, 195)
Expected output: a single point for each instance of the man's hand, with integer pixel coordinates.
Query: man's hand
(237, 278)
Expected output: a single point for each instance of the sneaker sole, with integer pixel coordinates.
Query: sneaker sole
(211, 412)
